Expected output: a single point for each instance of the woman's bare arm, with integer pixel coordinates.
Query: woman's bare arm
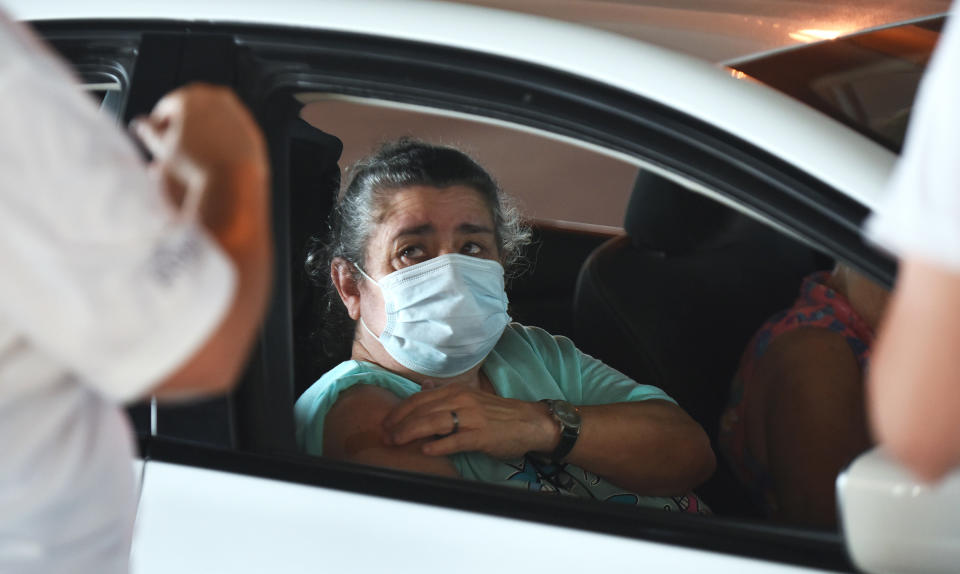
(650, 447)
(353, 431)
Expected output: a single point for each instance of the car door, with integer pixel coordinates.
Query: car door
(219, 512)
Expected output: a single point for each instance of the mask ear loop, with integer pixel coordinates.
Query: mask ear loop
(362, 272)
(372, 280)
(372, 334)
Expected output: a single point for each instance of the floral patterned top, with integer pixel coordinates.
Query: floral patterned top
(817, 306)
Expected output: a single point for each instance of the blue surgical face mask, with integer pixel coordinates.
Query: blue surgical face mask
(444, 315)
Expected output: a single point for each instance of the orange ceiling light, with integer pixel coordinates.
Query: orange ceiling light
(815, 35)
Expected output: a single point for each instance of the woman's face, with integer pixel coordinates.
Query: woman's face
(420, 223)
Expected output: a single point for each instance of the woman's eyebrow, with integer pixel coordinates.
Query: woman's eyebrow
(423, 229)
(467, 228)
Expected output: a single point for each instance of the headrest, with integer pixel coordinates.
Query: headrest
(667, 217)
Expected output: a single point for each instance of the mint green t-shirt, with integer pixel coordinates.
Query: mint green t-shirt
(527, 364)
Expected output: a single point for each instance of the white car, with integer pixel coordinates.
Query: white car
(789, 148)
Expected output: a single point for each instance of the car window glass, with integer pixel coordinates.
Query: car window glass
(867, 81)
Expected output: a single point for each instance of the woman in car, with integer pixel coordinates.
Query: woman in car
(796, 415)
(439, 379)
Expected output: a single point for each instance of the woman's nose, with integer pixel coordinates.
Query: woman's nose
(447, 250)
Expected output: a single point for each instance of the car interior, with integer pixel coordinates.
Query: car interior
(670, 295)
(674, 302)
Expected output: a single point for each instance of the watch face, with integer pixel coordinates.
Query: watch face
(567, 413)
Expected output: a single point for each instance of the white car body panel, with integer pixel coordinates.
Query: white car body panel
(241, 524)
(893, 523)
(720, 30)
(783, 127)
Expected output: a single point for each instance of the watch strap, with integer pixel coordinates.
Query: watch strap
(568, 435)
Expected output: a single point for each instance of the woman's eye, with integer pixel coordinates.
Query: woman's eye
(471, 249)
(414, 252)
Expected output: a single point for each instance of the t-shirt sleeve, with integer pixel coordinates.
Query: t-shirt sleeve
(583, 379)
(99, 273)
(310, 410)
(920, 215)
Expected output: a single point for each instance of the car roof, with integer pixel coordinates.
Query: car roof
(721, 30)
(759, 115)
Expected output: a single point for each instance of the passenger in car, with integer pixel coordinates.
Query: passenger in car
(796, 412)
(441, 381)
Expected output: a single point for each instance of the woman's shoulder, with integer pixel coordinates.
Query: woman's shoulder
(518, 337)
(311, 408)
(344, 371)
(346, 375)
(534, 353)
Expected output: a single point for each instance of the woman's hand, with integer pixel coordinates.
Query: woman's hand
(499, 427)
(650, 447)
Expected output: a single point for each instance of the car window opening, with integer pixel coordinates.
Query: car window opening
(687, 279)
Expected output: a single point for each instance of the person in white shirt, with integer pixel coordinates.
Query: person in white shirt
(114, 285)
(914, 380)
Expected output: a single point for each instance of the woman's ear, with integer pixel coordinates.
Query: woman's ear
(341, 273)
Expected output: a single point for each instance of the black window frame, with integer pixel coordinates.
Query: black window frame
(101, 59)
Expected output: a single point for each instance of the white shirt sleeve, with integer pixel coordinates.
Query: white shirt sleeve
(97, 270)
(920, 216)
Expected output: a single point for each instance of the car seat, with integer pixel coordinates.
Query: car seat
(314, 184)
(674, 302)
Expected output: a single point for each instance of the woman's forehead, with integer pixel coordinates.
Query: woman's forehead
(441, 207)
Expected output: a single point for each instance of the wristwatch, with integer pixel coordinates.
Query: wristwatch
(568, 417)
